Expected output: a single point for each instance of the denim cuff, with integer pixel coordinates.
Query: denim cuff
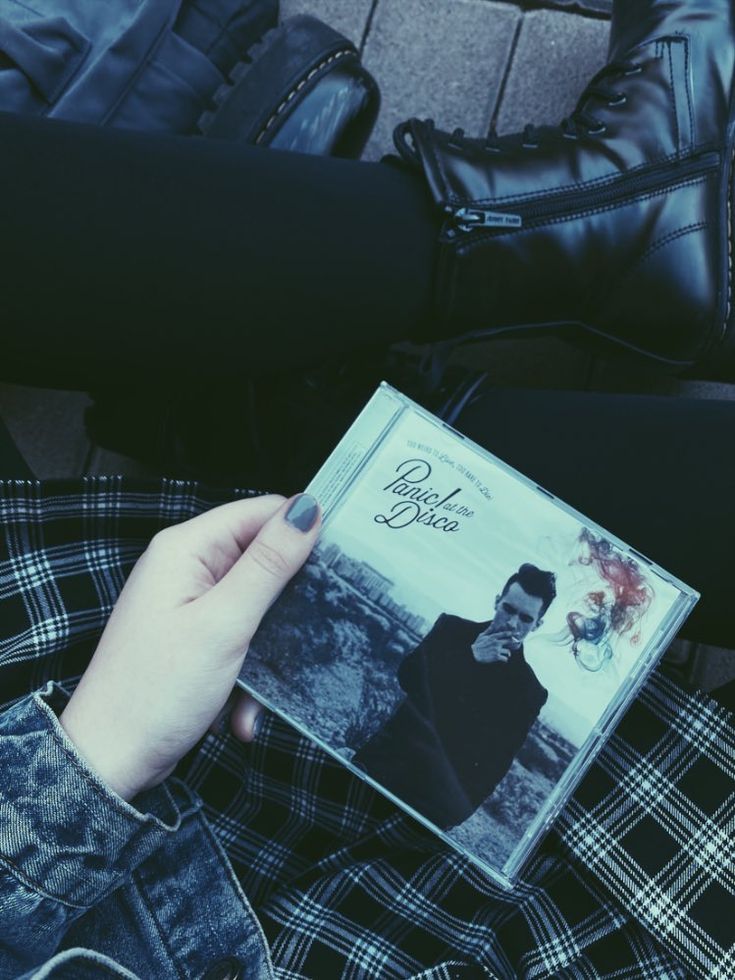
(63, 830)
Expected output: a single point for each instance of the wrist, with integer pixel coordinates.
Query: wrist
(106, 754)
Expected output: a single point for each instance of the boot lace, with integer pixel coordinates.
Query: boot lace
(581, 122)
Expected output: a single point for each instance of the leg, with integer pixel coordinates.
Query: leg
(128, 255)
(658, 472)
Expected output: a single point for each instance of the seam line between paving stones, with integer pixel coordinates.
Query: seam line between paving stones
(494, 116)
(368, 26)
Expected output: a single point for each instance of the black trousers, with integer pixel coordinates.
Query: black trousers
(133, 256)
(658, 472)
(125, 256)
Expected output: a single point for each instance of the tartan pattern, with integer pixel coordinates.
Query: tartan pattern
(635, 880)
(682, 888)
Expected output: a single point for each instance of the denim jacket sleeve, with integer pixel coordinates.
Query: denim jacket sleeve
(66, 839)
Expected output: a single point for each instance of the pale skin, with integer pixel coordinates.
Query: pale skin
(517, 613)
(173, 647)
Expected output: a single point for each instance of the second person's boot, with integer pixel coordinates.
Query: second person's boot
(616, 223)
(303, 89)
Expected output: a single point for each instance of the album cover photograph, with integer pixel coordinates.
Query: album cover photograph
(458, 637)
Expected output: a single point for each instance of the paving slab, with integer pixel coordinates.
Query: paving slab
(440, 60)
(555, 57)
(48, 428)
(718, 390)
(348, 18)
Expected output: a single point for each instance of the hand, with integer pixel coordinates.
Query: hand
(175, 642)
(494, 648)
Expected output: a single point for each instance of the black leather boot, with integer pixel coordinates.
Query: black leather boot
(616, 223)
(302, 88)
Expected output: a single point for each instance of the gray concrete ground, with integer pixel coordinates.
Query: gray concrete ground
(469, 63)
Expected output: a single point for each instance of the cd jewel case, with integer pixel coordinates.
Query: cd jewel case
(460, 638)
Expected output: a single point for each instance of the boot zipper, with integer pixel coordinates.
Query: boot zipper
(469, 219)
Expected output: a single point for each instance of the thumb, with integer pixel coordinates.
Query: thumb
(241, 598)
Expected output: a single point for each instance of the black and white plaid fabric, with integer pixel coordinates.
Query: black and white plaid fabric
(636, 880)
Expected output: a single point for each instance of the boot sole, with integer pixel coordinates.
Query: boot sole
(276, 74)
(719, 360)
(723, 357)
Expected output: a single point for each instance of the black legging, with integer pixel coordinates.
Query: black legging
(657, 472)
(126, 255)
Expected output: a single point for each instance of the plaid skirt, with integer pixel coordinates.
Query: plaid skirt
(636, 879)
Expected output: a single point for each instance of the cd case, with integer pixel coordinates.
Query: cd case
(459, 638)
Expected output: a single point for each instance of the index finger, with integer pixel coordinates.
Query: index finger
(279, 549)
(231, 526)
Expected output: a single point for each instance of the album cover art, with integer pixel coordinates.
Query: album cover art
(459, 637)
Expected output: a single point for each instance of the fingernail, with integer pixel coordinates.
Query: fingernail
(303, 512)
(258, 724)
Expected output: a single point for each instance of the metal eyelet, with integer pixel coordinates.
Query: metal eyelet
(620, 99)
(530, 146)
(598, 131)
(571, 136)
(634, 70)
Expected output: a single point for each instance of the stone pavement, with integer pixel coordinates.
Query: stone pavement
(468, 63)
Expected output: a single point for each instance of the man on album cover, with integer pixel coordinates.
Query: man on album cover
(471, 700)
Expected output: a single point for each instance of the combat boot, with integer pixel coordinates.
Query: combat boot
(615, 224)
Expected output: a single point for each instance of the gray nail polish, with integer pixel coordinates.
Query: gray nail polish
(258, 724)
(302, 513)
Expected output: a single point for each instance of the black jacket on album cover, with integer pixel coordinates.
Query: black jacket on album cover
(461, 724)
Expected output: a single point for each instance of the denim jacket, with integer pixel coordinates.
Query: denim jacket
(80, 867)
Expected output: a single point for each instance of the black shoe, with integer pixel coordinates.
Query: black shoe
(616, 224)
(302, 88)
(224, 29)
